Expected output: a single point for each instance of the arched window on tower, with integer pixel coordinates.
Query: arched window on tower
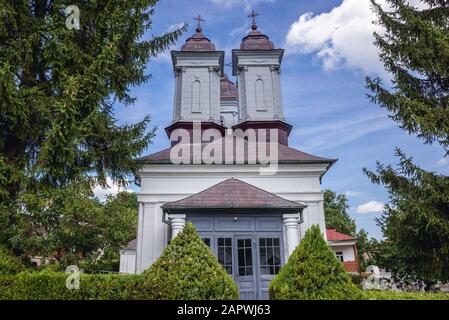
(260, 95)
(196, 96)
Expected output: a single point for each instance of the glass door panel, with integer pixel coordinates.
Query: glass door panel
(224, 253)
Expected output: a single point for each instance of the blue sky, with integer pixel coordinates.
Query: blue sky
(328, 55)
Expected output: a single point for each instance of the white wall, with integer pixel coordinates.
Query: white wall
(259, 102)
(230, 112)
(128, 261)
(166, 183)
(348, 251)
(190, 69)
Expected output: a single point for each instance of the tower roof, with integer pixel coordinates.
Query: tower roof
(256, 40)
(198, 42)
(227, 88)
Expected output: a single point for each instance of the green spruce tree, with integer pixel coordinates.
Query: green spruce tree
(59, 86)
(415, 51)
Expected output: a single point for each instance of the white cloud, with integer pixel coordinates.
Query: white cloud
(166, 55)
(341, 38)
(175, 26)
(113, 189)
(353, 194)
(247, 4)
(443, 162)
(370, 207)
(240, 31)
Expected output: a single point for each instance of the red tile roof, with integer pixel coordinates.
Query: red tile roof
(233, 193)
(285, 155)
(333, 235)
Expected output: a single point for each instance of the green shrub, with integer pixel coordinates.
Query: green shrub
(9, 263)
(48, 285)
(107, 265)
(391, 295)
(356, 279)
(188, 270)
(313, 273)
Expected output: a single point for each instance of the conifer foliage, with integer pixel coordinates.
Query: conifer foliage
(59, 86)
(416, 220)
(415, 51)
(313, 273)
(187, 270)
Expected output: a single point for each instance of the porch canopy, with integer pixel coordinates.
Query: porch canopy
(236, 196)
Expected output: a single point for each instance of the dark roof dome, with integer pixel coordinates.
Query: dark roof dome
(256, 40)
(198, 42)
(227, 88)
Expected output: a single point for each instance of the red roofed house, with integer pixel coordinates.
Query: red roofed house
(345, 249)
(251, 212)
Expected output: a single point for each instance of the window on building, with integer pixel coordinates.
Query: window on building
(224, 248)
(245, 257)
(206, 241)
(339, 255)
(196, 96)
(270, 255)
(260, 95)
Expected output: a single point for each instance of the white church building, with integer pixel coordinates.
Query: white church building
(251, 220)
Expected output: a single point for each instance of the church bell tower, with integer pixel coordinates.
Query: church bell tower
(257, 65)
(198, 68)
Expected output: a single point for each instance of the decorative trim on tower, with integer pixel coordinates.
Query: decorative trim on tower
(282, 128)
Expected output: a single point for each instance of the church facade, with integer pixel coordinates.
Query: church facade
(252, 220)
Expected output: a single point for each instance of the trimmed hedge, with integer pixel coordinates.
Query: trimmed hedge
(9, 263)
(49, 285)
(188, 270)
(356, 279)
(313, 273)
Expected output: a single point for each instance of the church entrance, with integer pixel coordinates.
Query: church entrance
(250, 248)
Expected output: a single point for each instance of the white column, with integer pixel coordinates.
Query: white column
(280, 103)
(177, 221)
(244, 98)
(180, 93)
(274, 92)
(139, 249)
(291, 223)
(211, 102)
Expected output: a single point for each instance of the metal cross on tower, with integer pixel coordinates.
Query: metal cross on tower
(253, 16)
(199, 19)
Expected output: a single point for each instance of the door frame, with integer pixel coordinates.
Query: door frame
(254, 235)
(246, 236)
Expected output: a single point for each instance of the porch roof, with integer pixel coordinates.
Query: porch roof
(234, 194)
